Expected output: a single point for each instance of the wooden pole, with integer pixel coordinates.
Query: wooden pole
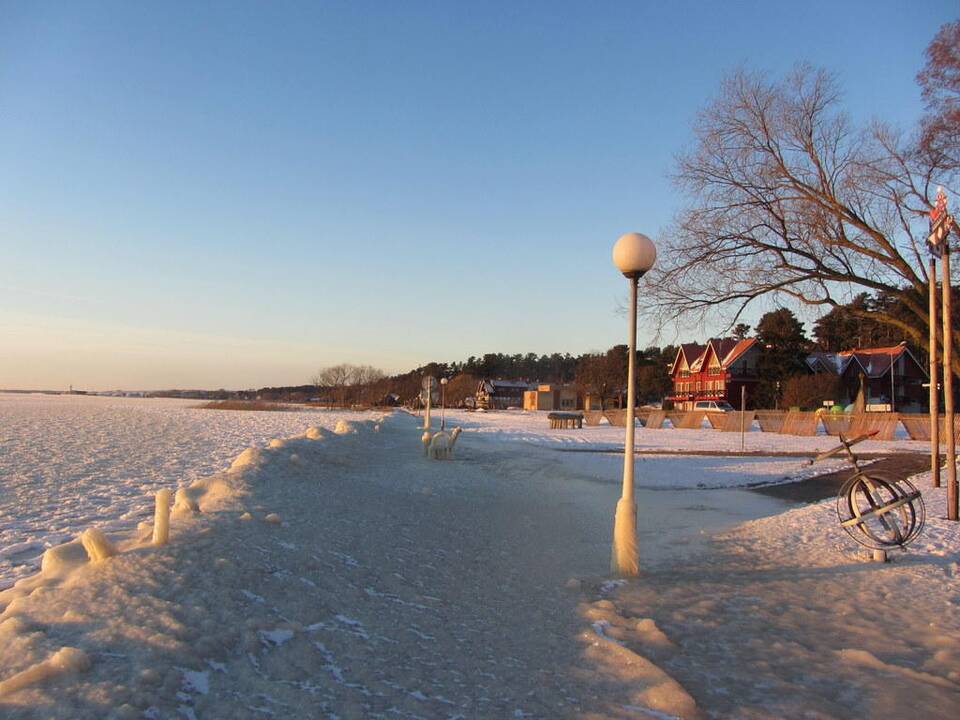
(934, 375)
(949, 428)
(743, 412)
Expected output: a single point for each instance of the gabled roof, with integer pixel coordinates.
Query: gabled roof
(828, 362)
(736, 350)
(689, 352)
(727, 351)
(873, 362)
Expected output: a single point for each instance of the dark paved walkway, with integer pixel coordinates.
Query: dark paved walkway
(896, 466)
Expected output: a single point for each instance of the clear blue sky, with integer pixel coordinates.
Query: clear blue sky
(235, 194)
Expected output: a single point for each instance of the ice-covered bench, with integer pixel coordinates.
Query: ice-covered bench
(565, 420)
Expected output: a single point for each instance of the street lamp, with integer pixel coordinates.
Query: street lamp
(443, 400)
(633, 254)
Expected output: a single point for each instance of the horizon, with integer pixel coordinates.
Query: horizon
(234, 196)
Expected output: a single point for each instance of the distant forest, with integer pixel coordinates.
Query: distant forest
(602, 373)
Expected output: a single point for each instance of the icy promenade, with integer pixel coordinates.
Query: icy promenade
(368, 581)
(392, 587)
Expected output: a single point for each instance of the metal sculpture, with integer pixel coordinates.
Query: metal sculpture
(879, 513)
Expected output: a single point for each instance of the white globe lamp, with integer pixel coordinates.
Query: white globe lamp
(634, 254)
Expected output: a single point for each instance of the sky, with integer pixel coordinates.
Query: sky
(237, 194)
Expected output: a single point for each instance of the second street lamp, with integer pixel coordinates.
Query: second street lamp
(443, 401)
(633, 254)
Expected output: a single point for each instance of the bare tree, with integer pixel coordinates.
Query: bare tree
(343, 380)
(363, 376)
(334, 380)
(790, 200)
(940, 82)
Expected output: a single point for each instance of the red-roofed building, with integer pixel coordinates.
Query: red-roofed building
(715, 371)
(870, 368)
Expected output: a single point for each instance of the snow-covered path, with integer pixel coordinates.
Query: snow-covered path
(394, 587)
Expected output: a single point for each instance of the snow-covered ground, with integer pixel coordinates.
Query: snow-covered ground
(67, 461)
(346, 575)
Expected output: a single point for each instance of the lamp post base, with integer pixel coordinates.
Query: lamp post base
(624, 560)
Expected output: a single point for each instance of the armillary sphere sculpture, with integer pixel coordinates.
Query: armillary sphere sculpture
(879, 513)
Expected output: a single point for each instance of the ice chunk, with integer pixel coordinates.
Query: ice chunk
(344, 428)
(65, 660)
(182, 502)
(60, 559)
(96, 544)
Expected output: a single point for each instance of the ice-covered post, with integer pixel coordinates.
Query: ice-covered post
(633, 255)
(429, 382)
(443, 401)
(161, 518)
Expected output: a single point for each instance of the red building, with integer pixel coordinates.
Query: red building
(715, 371)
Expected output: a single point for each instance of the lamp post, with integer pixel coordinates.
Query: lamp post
(443, 401)
(633, 255)
(428, 384)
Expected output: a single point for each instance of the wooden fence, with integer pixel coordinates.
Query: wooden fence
(592, 417)
(836, 423)
(771, 420)
(687, 420)
(918, 427)
(884, 423)
(800, 423)
(655, 420)
(793, 422)
(730, 422)
(616, 417)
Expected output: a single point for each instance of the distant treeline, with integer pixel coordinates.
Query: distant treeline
(601, 373)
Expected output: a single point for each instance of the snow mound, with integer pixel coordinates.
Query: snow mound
(865, 658)
(62, 559)
(619, 666)
(250, 456)
(315, 433)
(345, 427)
